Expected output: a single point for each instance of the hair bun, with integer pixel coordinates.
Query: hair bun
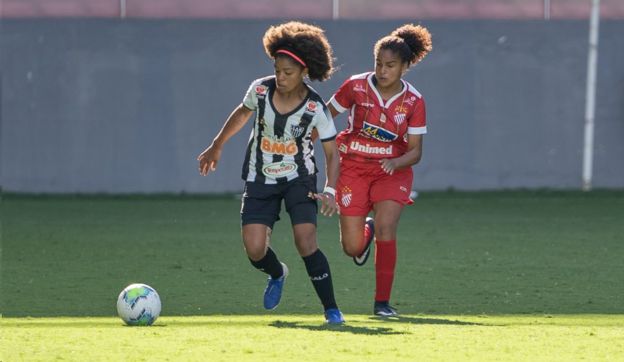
(417, 38)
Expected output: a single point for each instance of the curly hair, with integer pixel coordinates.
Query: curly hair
(306, 41)
(410, 42)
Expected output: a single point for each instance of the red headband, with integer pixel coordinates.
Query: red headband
(292, 55)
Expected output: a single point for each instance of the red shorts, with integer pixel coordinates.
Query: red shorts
(362, 184)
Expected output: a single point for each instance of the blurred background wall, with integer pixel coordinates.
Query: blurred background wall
(121, 96)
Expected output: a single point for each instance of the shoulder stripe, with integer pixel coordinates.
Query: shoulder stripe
(360, 76)
(413, 90)
(314, 96)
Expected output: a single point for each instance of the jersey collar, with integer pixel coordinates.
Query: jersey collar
(369, 79)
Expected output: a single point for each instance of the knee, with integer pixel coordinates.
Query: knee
(306, 246)
(255, 251)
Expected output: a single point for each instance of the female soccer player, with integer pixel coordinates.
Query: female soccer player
(383, 139)
(279, 161)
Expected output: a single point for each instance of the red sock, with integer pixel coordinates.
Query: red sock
(385, 261)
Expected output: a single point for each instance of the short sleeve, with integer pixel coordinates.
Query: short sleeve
(417, 123)
(251, 97)
(325, 124)
(343, 98)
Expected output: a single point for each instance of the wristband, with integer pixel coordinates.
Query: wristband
(330, 190)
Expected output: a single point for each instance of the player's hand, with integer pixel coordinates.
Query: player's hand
(388, 165)
(328, 203)
(208, 159)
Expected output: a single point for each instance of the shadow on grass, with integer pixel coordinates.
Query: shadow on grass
(346, 328)
(416, 320)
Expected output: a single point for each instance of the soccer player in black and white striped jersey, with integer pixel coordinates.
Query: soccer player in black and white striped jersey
(279, 161)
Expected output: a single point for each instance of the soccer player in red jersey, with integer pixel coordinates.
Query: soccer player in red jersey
(383, 139)
(279, 161)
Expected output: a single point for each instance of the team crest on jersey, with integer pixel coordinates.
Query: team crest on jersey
(296, 130)
(261, 91)
(347, 195)
(311, 107)
(378, 133)
(399, 118)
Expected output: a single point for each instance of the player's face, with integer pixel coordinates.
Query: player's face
(288, 74)
(388, 68)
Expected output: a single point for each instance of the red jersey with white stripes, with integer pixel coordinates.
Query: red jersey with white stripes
(377, 128)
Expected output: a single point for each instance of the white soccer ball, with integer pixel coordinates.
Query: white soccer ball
(138, 305)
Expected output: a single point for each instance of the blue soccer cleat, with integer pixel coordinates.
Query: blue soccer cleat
(333, 316)
(362, 258)
(273, 291)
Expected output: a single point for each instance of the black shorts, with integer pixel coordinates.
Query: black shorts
(261, 204)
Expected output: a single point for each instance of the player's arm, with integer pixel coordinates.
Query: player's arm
(333, 110)
(235, 122)
(332, 163)
(332, 169)
(408, 159)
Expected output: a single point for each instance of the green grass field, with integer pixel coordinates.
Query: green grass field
(480, 276)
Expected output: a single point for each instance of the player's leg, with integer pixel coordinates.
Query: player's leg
(256, 238)
(387, 215)
(352, 195)
(303, 212)
(356, 236)
(390, 195)
(259, 212)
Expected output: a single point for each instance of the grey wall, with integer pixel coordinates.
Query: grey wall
(126, 106)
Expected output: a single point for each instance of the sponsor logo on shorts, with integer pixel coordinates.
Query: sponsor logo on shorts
(378, 133)
(346, 196)
(367, 148)
(278, 146)
(279, 169)
(403, 188)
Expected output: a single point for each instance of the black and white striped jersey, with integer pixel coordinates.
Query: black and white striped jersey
(280, 146)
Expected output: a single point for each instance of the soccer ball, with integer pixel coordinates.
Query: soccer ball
(138, 305)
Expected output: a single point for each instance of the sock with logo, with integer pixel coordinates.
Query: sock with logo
(385, 262)
(318, 269)
(269, 264)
